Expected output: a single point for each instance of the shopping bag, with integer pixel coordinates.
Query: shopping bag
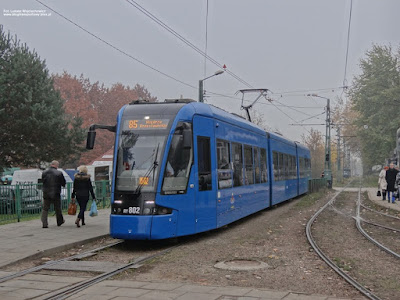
(378, 194)
(72, 209)
(93, 209)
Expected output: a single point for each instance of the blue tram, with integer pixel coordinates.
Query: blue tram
(183, 167)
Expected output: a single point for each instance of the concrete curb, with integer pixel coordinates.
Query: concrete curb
(51, 251)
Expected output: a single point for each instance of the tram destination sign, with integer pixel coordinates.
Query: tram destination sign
(146, 124)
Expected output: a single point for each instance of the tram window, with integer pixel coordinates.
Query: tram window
(248, 160)
(264, 174)
(287, 162)
(302, 166)
(276, 165)
(179, 161)
(281, 167)
(224, 165)
(292, 167)
(204, 163)
(237, 164)
(257, 169)
(308, 167)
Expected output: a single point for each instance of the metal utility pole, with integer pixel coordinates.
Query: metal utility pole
(327, 170)
(339, 177)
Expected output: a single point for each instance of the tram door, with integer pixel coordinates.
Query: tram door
(205, 185)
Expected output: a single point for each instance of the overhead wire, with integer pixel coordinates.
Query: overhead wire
(301, 92)
(184, 40)
(116, 48)
(226, 95)
(290, 117)
(163, 73)
(312, 117)
(205, 50)
(180, 37)
(347, 47)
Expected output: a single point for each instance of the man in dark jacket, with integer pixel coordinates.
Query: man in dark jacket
(391, 179)
(52, 180)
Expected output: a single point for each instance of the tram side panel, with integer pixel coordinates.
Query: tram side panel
(304, 168)
(284, 165)
(204, 183)
(242, 172)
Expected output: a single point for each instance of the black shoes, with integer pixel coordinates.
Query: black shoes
(45, 226)
(61, 223)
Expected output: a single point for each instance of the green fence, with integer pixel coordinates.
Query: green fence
(314, 185)
(19, 202)
(24, 201)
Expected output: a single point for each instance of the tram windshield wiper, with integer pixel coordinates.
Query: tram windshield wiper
(152, 168)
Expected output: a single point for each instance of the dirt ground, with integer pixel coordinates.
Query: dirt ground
(275, 236)
(338, 237)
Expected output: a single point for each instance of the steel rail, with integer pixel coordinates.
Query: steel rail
(378, 212)
(379, 225)
(50, 263)
(69, 291)
(329, 262)
(366, 235)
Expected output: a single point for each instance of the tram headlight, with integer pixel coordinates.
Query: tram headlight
(163, 210)
(147, 211)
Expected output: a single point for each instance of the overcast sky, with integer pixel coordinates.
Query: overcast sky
(284, 46)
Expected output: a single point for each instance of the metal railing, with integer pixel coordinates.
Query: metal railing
(314, 185)
(24, 201)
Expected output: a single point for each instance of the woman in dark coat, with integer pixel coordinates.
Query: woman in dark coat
(391, 179)
(82, 187)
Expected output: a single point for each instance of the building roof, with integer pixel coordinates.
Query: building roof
(104, 159)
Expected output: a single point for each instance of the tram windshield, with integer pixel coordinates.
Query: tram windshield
(139, 156)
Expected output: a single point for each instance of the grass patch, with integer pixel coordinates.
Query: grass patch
(370, 181)
(344, 265)
(309, 199)
(390, 284)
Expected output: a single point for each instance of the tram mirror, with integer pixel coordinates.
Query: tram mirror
(187, 138)
(91, 136)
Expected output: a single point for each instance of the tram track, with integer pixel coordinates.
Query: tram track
(71, 289)
(358, 220)
(351, 280)
(68, 291)
(54, 262)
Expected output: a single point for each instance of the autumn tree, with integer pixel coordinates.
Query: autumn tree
(316, 143)
(375, 98)
(94, 103)
(35, 126)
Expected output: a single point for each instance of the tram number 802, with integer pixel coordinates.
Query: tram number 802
(134, 210)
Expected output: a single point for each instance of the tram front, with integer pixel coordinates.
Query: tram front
(144, 132)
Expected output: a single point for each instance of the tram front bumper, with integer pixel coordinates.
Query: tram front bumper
(141, 227)
(130, 227)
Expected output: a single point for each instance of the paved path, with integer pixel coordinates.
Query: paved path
(373, 197)
(28, 238)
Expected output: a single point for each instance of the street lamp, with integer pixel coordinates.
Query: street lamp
(327, 171)
(201, 99)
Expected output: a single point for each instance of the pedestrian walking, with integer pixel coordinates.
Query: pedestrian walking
(82, 187)
(52, 180)
(391, 179)
(397, 186)
(382, 184)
